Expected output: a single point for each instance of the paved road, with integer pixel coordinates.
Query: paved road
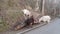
(51, 28)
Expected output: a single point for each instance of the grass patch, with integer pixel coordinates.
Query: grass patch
(3, 25)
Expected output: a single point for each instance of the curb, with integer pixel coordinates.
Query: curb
(31, 28)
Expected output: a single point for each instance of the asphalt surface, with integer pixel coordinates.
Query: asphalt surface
(51, 28)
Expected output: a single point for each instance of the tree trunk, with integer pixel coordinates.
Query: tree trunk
(37, 5)
(54, 11)
(43, 7)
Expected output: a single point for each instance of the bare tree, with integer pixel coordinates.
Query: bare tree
(43, 6)
(37, 5)
(55, 7)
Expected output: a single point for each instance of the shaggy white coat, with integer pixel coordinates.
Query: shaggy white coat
(26, 12)
(45, 19)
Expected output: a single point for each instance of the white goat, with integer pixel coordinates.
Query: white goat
(45, 19)
(26, 12)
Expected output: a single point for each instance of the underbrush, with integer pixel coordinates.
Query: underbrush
(3, 25)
